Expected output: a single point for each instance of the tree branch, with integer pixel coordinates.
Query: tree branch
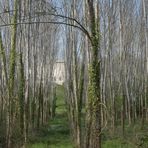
(50, 22)
(70, 18)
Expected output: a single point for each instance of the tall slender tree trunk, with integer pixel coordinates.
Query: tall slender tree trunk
(22, 99)
(12, 100)
(145, 17)
(93, 131)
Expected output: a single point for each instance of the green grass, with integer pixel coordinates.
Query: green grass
(57, 133)
(117, 143)
(60, 94)
(134, 137)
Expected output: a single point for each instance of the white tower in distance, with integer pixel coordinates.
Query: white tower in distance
(59, 72)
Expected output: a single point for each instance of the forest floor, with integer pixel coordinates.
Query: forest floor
(57, 133)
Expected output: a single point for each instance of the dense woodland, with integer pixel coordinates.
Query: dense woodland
(104, 46)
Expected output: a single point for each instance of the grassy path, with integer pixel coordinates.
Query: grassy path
(56, 134)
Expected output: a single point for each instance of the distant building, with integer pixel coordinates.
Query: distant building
(59, 72)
